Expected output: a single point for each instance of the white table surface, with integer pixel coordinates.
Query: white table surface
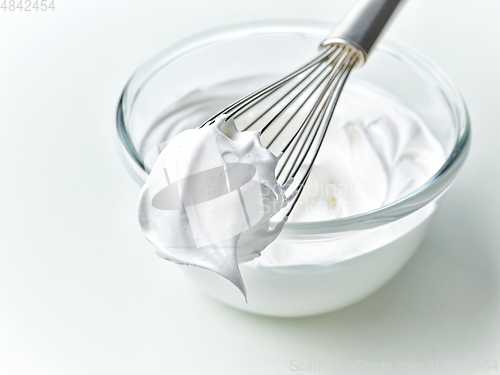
(81, 292)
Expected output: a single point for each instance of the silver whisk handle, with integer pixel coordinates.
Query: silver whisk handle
(363, 25)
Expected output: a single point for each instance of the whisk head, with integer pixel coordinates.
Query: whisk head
(293, 113)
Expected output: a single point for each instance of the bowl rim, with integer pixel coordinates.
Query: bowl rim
(413, 59)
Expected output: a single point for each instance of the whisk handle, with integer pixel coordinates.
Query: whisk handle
(363, 25)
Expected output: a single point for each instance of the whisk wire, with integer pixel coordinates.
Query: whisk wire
(294, 141)
(346, 70)
(257, 94)
(318, 84)
(271, 107)
(326, 66)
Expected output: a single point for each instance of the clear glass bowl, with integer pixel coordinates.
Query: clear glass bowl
(378, 243)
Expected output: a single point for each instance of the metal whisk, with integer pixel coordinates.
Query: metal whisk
(308, 96)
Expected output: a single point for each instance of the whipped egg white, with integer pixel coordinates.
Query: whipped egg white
(212, 191)
(209, 198)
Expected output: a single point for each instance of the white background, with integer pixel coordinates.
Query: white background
(81, 292)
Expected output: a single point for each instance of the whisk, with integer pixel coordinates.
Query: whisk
(307, 97)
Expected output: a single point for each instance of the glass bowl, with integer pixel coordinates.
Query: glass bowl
(338, 262)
